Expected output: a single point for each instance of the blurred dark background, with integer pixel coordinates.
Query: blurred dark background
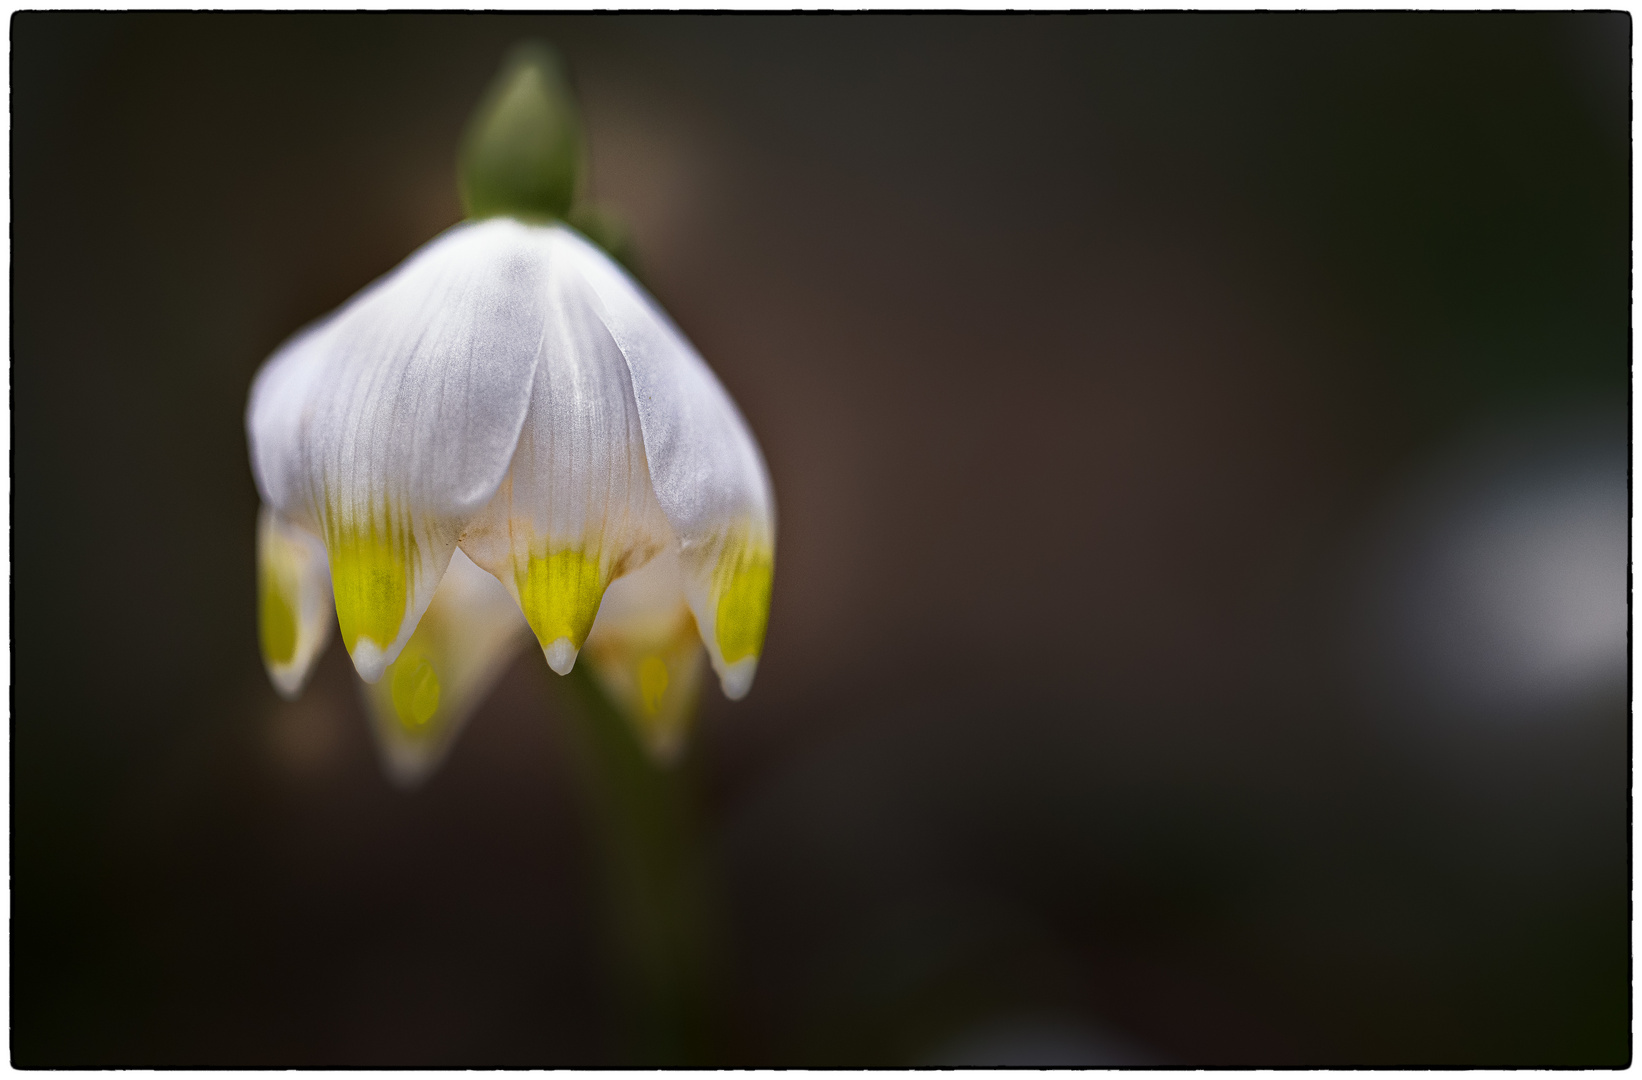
(1200, 623)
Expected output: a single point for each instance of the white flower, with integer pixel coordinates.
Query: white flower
(510, 393)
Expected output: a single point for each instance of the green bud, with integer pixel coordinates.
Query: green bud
(522, 151)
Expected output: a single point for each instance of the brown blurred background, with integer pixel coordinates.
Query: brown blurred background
(1156, 405)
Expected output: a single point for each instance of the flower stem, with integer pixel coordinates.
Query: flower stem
(659, 912)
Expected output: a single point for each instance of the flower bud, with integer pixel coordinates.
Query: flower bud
(521, 155)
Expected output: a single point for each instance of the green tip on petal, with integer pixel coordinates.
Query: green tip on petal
(522, 151)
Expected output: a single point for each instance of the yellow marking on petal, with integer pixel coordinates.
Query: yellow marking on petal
(652, 674)
(560, 594)
(278, 617)
(370, 574)
(741, 583)
(415, 687)
(652, 682)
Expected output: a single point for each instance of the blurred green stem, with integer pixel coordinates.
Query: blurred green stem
(659, 907)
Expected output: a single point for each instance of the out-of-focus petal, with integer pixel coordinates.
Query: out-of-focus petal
(705, 468)
(393, 422)
(646, 654)
(275, 422)
(576, 509)
(468, 635)
(293, 600)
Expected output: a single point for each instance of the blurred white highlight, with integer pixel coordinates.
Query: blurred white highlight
(1497, 588)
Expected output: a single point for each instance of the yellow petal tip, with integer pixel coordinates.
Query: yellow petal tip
(741, 585)
(371, 572)
(278, 623)
(559, 593)
(415, 692)
(294, 610)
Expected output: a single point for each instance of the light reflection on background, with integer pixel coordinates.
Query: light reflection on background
(1501, 591)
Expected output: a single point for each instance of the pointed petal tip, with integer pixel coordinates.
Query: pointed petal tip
(294, 612)
(408, 772)
(469, 634)
(737, 678)
(665, 748)
(287, 682)
(561, 655)
(370, 659)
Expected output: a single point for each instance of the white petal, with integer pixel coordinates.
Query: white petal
(646, 654)
(470, 632)
(393, 422)
(576, 510)
(295, 615)
(707, 473)
(645, 600)
(274, 422)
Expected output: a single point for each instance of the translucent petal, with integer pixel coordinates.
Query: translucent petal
(469, 633)
(294, 609)
(705, 467)
(389, 425)
(576, 510)
(647, 656)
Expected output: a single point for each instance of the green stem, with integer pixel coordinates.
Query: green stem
(659, 913)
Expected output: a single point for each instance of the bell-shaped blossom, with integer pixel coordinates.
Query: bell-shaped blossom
(508, 400)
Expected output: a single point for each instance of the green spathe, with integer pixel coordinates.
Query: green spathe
(522, 151)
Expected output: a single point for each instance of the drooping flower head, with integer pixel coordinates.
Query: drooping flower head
(508, 400)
